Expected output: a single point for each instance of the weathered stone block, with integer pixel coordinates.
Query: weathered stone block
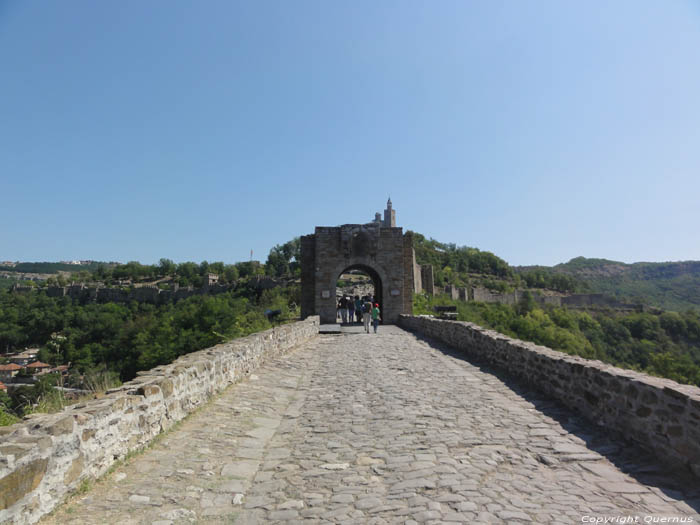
(120, 403)
(43, 442)
(166, 387)
(674, 431)
(62, 426)
(643, 411)
(21, 482)
(676, 409)
(649, 397)
(676, 394)
(148, 391)
(18, 451)
(76, 468)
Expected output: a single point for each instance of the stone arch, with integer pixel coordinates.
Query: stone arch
(375, 272)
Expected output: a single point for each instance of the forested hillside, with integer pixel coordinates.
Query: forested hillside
(664, 344)
(50, 267)
(137, 336)
(465, 266)
(671, 285)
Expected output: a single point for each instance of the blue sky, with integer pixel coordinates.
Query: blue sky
(537, 130)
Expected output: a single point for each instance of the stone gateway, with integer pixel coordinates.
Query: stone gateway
(385, 253)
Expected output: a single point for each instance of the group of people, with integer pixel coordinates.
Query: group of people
(356, 309)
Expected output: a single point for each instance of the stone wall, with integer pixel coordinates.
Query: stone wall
(416, 269)
(452, 291)
(427, 279)
(411, 275)
(583, 300)
(308, 270)
(463, 294)
(660, 415)
(45, 458)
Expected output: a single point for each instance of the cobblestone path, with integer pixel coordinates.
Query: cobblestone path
(383, 428)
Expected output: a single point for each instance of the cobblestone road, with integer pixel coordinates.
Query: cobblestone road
(383, 428)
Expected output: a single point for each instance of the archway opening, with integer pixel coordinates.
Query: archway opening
(356, 282)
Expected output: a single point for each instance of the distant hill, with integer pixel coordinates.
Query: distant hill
(668, 285)
(466, 266)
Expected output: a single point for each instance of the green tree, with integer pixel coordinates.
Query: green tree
(166, 267)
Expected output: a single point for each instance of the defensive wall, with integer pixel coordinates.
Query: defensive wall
(45, 458)
(484, 295)
(142, 294)
(658, 414)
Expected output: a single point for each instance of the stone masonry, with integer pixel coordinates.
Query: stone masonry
(385, 254)
(660, 415)
(383, 429)
(42, 460)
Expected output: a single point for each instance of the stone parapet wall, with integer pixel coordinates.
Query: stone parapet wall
(660, 415)
(44, 459)
(583, 301)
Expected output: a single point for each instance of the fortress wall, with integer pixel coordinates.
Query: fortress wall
(308, 270)
(660, 415)
(451, 291)
(411, 275)
(45, 458)
(479, 293)
(553, 300)
(416, 269)
(427, 279)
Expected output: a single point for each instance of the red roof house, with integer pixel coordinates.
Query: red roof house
(9, 371)
(37, 367)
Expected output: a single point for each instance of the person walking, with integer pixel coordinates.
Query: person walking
(366, 314)
(344, 309)
(358, 309)
(376, 316)
(351, 310)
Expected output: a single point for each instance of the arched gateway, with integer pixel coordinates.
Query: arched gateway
(385, 253)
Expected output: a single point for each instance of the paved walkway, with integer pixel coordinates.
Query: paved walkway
(385, 428)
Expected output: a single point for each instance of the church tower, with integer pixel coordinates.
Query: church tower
(389, 216)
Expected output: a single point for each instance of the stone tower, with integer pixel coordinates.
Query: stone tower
(389, 216)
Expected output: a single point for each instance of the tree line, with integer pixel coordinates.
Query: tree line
(663, 344)
(464, 266)
(282, 261)
(122, 339)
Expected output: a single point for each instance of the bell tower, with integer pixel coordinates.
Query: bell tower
(389, 215)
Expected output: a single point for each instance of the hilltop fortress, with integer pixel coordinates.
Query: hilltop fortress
(367, 240)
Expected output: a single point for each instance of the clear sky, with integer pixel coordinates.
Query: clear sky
(537, 130)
